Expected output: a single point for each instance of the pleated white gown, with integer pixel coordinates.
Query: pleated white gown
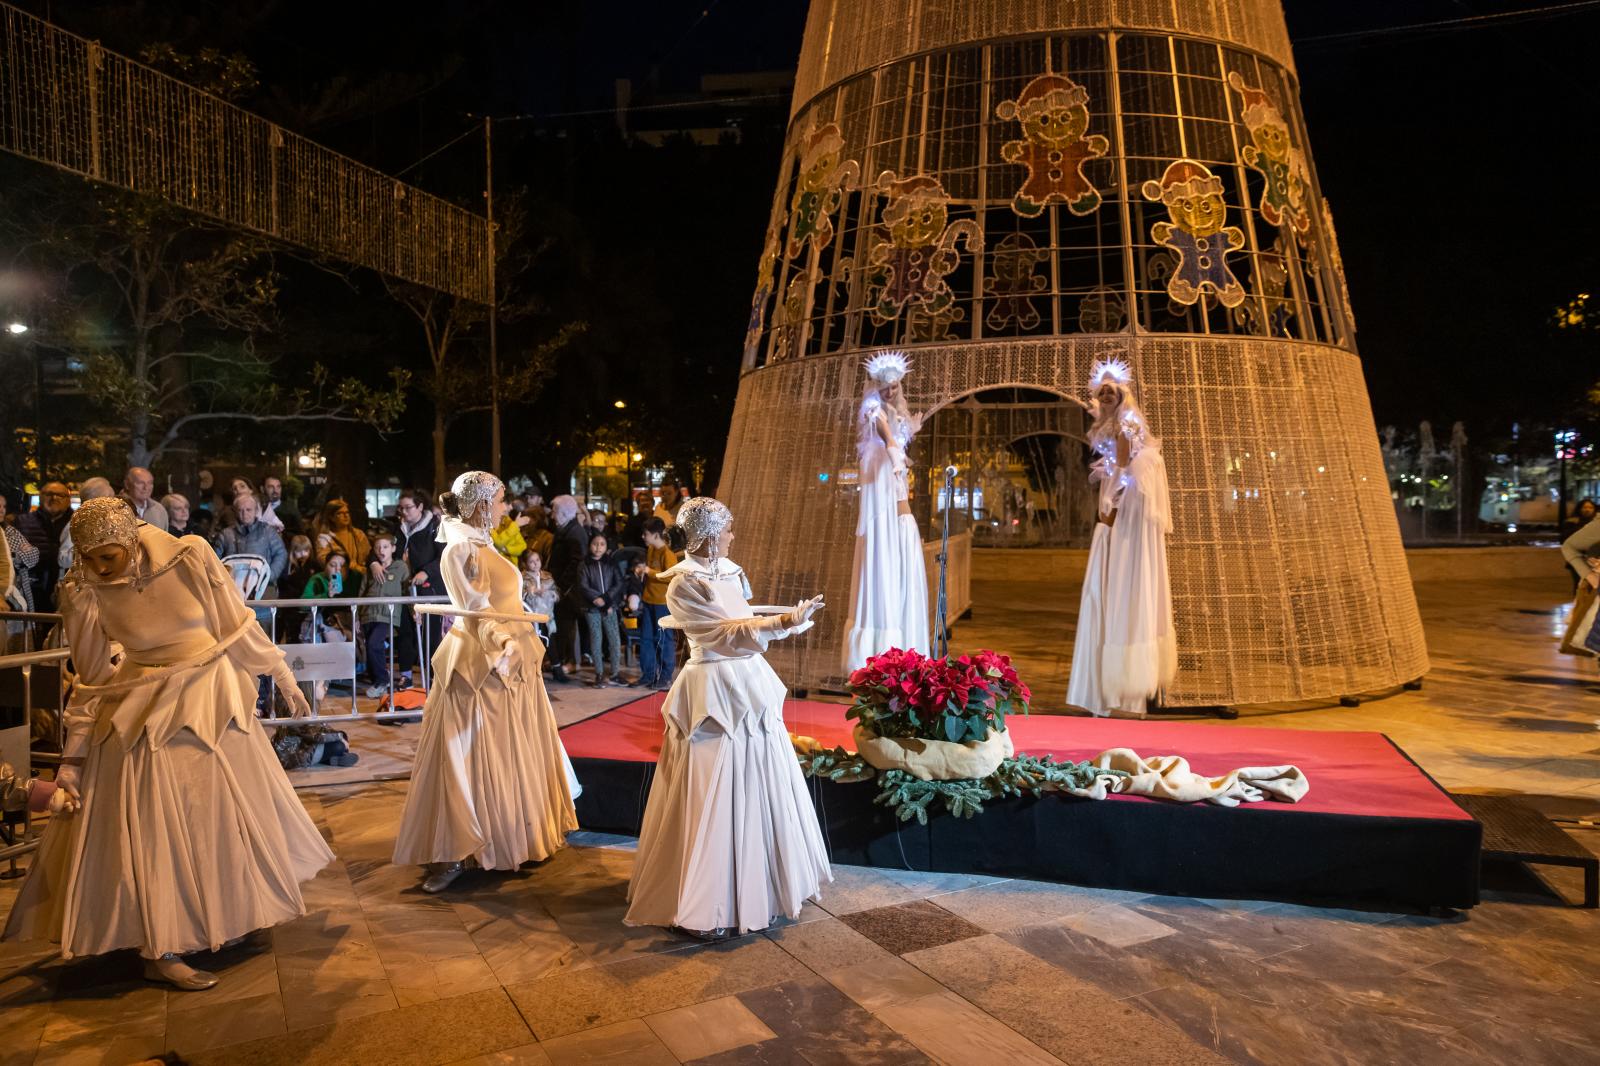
(190, 834)
(889, 577)
(491, 781)
(730, 837)
(1126, 648)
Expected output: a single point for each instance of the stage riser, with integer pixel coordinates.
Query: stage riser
(1170, 849)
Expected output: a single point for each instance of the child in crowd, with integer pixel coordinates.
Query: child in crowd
(600, 585)
(538, 588)
(292, 586)
(658, 650)
(386, 576)
(327, 584)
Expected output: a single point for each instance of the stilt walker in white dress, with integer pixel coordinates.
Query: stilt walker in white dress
(730, 839)
(889, 582)
(1126, 650)
(181, 831)
(491, 785)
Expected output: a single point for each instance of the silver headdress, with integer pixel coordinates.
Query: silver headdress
(886, 368)
(475, 488)
(703, 521)
(1112, 368)
(104, 520)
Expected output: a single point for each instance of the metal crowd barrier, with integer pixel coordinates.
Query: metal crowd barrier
(16, 741)
(316, 669)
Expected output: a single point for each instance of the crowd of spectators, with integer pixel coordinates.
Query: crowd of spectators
(597, 575)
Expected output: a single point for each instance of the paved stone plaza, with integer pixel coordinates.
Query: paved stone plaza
(900, 966)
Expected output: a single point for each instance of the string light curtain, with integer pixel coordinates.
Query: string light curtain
(1010, 189)
(70, 103)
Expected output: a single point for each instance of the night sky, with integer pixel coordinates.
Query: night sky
(1453, 158)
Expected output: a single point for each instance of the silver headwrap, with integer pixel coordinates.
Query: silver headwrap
(473, 488)
(104, 520)
(703, 521)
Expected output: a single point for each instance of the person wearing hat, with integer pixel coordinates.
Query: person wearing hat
(180, 831)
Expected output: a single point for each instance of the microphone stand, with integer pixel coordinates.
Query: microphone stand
(941, 639)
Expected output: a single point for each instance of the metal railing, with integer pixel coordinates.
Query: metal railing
(24, 663)
(323, 605)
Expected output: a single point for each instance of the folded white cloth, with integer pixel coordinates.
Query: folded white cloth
(1169, 777)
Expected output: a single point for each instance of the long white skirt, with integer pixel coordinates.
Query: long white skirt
(889, 582)
(491, 780)
(176, 849)
(730, 837)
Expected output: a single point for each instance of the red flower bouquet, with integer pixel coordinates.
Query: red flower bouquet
(908, 694)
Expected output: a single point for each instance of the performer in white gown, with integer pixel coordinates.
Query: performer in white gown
(1125, 650)
(730, 840)
(186, 833)
(889, 583)
(491, 784)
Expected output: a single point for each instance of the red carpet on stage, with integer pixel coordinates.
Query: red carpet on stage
(1350, 773)
(1372, 827)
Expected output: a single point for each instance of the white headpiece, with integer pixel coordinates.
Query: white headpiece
(1110, 368)
(473, 488)
(886, 368)
(703, 521)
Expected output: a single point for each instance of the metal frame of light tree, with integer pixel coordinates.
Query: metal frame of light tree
(1269, 438)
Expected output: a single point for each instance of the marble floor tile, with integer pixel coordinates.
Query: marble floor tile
(131, 1007)
(1062, 1013)
(881, 982)
(312, 1001)
(825, 945)
(241, 975)
(633, 988)
(527, 1055)
(1012, 904)
(233, 1021)
(114, 1048)
(1117, 926)
(623, 1043)
(708, 1028)
(857, 888)
(441, 978)
(910, 926)
(425, 1034)
(1115, 972)
(819, 1023)
(956, 1033)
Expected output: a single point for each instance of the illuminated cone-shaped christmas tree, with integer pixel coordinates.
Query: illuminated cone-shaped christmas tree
(1008, 190)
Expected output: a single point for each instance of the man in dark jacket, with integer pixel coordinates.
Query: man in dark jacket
(43, 527)
(420, 549)
(566, 566)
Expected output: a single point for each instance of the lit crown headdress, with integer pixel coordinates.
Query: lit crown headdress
(473, 488)
(886, 368)
(1112, 368)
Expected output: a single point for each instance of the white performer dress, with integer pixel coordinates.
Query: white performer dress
(491, 780)
(889, 584)
(730, 838)
(1125, 650)
(189, 834)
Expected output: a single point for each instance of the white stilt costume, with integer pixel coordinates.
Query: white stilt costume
(1125, 650)
(730, 838)
(889, 580)
(491, 782)
(187, 833)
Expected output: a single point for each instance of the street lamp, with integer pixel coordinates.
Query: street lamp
(17, 329)
(620, 404)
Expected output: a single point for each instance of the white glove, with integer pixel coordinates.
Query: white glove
(509, 661)
(802, 612)
(67, 778)
(292, 696)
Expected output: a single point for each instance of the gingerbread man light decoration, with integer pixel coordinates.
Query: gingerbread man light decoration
(1054, 112)
(824, 174)
(758, 303)
(1274, 157)
(920, 248)
(1015, 280)
(1198, 233)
